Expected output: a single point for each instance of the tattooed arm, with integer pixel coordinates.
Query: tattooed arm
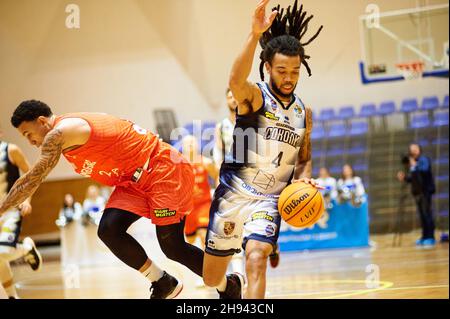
(303, 167)
(28, 183)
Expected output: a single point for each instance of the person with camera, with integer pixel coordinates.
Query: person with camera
(419, 174)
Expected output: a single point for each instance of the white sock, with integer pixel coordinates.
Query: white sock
(223, 284)
(153, 273)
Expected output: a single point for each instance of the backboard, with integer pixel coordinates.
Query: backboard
(403, 36)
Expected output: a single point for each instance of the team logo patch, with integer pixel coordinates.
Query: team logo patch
(228, 228)
(274, 105)
(298, 110)
(165, 212)
(211, 244)
(262, 215)
(270, 230)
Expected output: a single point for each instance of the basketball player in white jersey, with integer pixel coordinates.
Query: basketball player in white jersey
(11, 161)
(223, 142)
(271, 148)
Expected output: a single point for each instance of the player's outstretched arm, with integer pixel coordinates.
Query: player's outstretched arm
(28, 183)
(247, 94)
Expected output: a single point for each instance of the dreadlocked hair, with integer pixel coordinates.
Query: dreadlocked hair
(285, 36)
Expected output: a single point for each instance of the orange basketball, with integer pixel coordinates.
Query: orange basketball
(301, 205)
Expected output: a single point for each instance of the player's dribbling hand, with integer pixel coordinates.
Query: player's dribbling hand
(261, 22)
(25, 209)
(310, 181)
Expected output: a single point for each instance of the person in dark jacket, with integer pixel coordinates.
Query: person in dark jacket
(420, 176)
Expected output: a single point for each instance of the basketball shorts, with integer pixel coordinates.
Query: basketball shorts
(198, 218)
(235, 218)
(162, 194)
(10, 226)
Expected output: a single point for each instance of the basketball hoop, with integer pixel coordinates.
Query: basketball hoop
(411, 70)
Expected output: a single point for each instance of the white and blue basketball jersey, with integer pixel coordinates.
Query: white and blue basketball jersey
(265, 147)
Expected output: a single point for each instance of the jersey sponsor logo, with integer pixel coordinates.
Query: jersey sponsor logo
(286, 119)
(294, 203)
(270, 230)
(87, 169)
(228, 228)
(165, 212)
(262, 215)
(256, 192)
(282, 135)
(271, 116)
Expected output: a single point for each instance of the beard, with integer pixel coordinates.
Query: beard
(278, 92)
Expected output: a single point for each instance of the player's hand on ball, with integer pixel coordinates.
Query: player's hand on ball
(25, 208)
(311, 181)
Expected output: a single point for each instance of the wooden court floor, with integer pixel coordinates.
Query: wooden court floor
(378, 272)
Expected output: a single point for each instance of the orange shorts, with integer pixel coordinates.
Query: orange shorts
(162, 194)
(199, 218)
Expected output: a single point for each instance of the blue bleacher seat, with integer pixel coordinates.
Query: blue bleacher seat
(327, 115)
(315, 170)
(368, 110)
(357, 147)
(318, 131)
(337, 130)
(346, 112)
(360, 166)
(440, 118)
(445, 102)
(409, 105)
(386, 108)
(430, 103)
(359, 128)
(420, 121)
(316, 153)
(203, 130)
(440, 141)
(335, 149)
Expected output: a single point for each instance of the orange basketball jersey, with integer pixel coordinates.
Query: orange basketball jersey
(202, 190)
(115, 148)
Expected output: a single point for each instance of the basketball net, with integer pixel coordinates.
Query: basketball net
(411, 70)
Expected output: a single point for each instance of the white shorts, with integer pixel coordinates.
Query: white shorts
(235, 218)
(10, 226)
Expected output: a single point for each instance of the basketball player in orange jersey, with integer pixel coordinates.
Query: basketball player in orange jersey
(197, 221)
(271, 148)
(151, 180)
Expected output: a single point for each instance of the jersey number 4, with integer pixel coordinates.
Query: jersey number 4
(277, 160)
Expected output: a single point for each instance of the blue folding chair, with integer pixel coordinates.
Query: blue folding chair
(445, 102)
(327, 115)
(359, 128)
(430, 103)
(337, 130)
(368, 110)
(318, 131)
(346, 113)
(386, 108)
(409, 105)
(440, 118)
(420, 121)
